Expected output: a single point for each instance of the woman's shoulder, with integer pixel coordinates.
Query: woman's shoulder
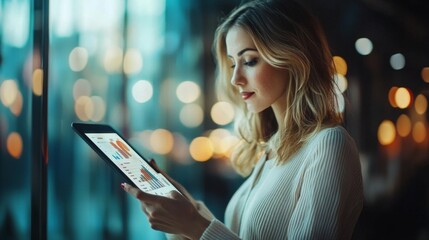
(331, 137)
(332, 132)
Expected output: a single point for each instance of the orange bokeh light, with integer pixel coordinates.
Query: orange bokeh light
(14, 145)
(340, 65)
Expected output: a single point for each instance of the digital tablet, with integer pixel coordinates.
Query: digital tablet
(116, 151)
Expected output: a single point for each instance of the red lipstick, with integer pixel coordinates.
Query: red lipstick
(246, 95)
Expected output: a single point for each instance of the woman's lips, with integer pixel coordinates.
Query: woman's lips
(246, 95)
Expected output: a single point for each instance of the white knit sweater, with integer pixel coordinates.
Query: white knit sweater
(317, 194)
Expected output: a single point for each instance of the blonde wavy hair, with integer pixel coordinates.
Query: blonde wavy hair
(288, 37)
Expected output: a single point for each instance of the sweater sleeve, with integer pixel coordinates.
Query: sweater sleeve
(217, 230)
(331, 196)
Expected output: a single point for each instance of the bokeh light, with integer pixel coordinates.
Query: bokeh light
(8, 92)
(341, 82)
(403, 125)
(14, 145)
(425, 74)
(133, 61)
(421, 104)
(419, 132)
(397, 61)
(386, 132)
(229, 144)
(223, 142)
(341, 102)
(83, 108)
(142, 91)
(38, 82)
(191, 115)
(392, 93)
(16, 106)
(112, 60)
(363, 46)
(78, 59)
(222, 113)
(161, 141)
(81, 87)
(340, 65)
(188, 91)
(402, 97)
(201, 149)
(216, 137)
(99, 109)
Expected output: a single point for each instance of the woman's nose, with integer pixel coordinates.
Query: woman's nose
(237, 78)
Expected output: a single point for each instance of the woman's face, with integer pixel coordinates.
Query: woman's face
(260, 84)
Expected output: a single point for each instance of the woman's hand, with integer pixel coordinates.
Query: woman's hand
(175, 184)
(174, 214)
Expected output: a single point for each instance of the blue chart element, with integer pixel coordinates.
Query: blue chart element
(151, 179)
(116, 156)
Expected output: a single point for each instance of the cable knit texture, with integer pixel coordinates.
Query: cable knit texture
(317, 194)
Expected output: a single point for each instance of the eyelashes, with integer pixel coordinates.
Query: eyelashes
(250, 63)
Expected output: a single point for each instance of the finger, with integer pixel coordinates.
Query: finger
(175, 195)
(154, 165)
(140, 195)
(175, 184)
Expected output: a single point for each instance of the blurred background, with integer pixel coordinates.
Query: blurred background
(146, 68)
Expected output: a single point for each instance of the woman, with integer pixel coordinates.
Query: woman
(305, 179)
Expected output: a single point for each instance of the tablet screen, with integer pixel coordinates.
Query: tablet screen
(131, 163)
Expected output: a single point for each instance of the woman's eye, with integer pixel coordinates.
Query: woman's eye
(251, 62)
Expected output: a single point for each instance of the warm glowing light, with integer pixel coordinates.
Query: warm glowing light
(403, 125)
(142, 91)
(191, 115)
(14, 145)
(363, 46)
(83, 108)
(421, 104)
(161, 141)
(229, 144)
(38, 82)
(425, 74)
(340, 65)
(223, 142)
(386, 132)
(78, 59)
(216, 137)
(392, 93)
(419, 132)
(112, 60)
(16, 106)
(402, 97)
(188, 91)
(201, 149)
(341, 82)
(8, 92)
(222, 113)
(341, 102)
(133, 61)
(99, 109)
(81, 87)
(397, 61)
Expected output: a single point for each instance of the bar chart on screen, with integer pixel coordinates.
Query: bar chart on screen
(131, 163)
